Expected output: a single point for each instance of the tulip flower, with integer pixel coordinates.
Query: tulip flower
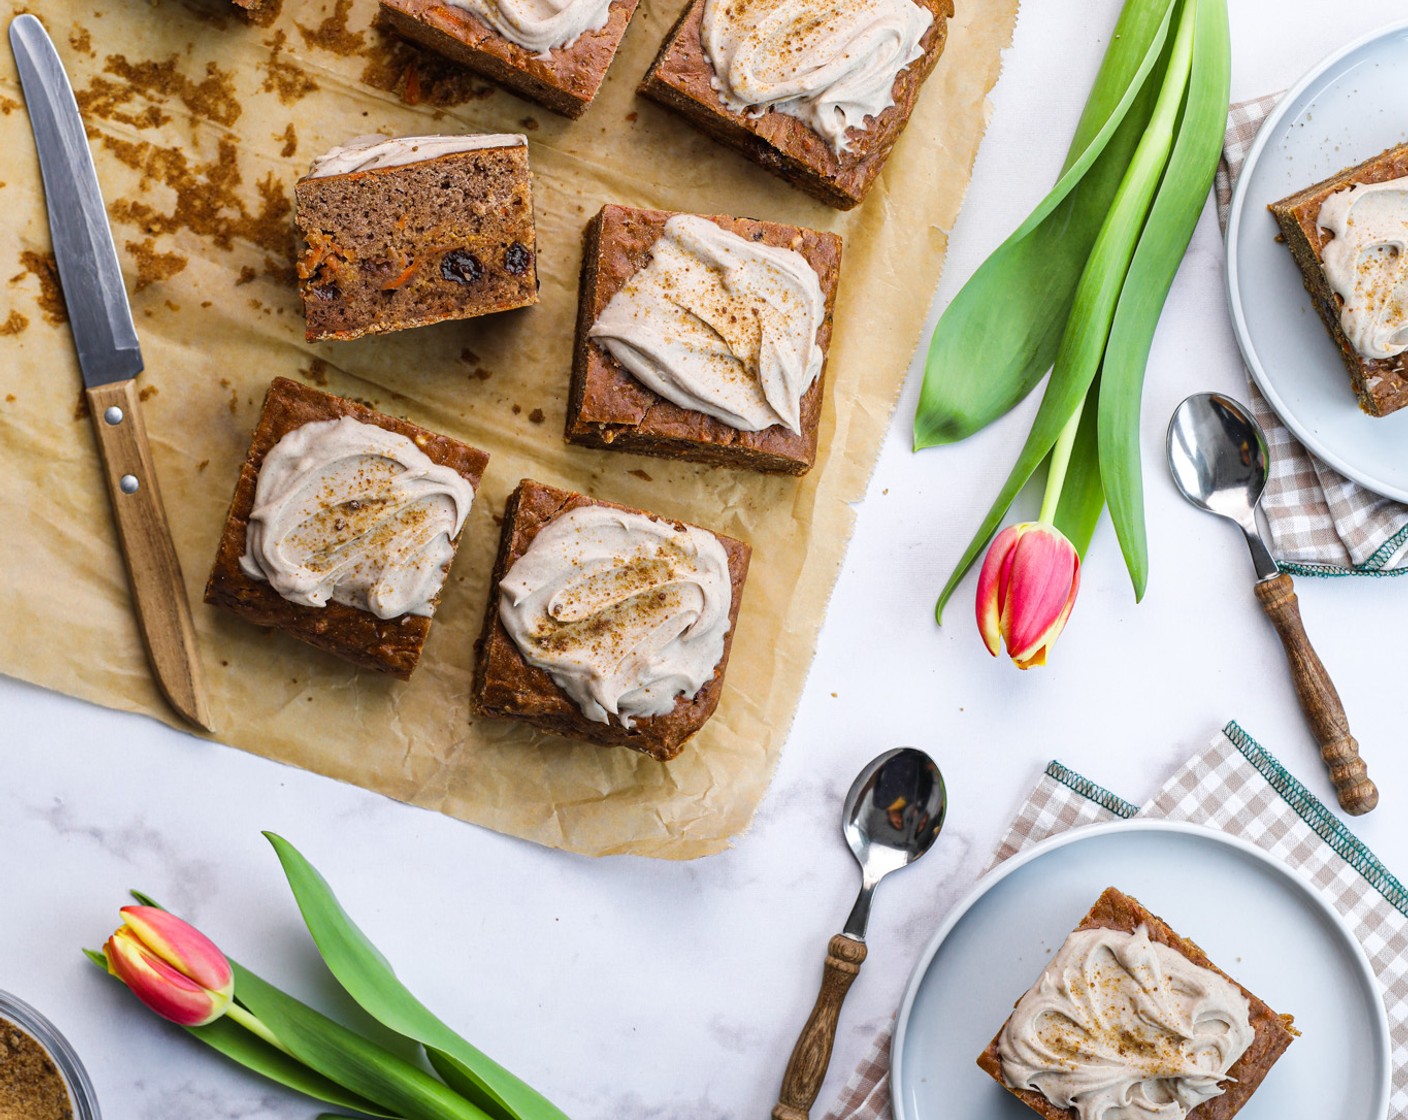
(170, 966)
(1026, 589)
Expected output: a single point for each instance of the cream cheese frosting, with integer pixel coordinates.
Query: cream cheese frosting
(1367, 264)
(1119, 1027)
(354, 513)
(367, 153)
(540, 26)
(830, 63)
(719, 324)
(624, 612)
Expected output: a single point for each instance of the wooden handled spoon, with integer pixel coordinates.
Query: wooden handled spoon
(1217, 453)
(892, 816)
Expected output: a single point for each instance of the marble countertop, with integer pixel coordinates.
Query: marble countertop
(628, 989)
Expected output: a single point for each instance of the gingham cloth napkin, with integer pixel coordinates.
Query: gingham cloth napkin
(1234, 785)
(1322, 523)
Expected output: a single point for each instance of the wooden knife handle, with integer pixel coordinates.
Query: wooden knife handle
(153, 571)
(806, 1069)
(1318, 698)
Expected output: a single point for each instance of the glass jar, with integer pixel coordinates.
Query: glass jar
(80, 1089)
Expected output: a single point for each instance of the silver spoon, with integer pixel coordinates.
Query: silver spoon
(892, 816)
(1217, 453)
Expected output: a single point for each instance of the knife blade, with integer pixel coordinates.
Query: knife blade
(110, 359)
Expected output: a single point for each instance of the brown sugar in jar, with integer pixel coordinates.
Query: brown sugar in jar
(31, 1086)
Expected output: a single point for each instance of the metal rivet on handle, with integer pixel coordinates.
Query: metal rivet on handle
(113, 415)
(128, 483)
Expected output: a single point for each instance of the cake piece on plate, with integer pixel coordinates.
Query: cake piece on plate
(1127, 1016)
(555, 54)
(414, 230)
(703, 338)
(1349, 235)
(607, 623)
(815, 91)
(343, 526)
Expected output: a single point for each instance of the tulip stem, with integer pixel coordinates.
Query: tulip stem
(1060, 462)
(257, 1028)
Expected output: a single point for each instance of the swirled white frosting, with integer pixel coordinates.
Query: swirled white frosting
(1367, 264)
(1120, 1027)
(540, 26)
(719, 324)
(354, 513)
(829, 63)
(367, 153)
(624, 612)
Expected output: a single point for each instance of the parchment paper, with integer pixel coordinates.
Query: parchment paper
(200, 125)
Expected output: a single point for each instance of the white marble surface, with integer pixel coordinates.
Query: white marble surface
(629, 989)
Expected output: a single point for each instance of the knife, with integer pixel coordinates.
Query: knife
(111, 359)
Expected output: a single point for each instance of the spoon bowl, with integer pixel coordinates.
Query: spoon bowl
(1217, 453)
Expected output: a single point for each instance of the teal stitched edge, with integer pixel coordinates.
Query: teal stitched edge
(1324, 823)
(1372, 567)
(1089, 790)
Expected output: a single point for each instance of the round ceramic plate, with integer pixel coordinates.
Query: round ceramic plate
(1347, 110)
(1254, 917)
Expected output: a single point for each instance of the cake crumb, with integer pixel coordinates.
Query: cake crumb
(536, 416)
(640, 474)
(147, 392)
(14, 324)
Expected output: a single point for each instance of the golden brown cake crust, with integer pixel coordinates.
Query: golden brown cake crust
(391, 248)
(609, 408)
(681, 78)
(507, 687)
(1273, 1032)
(565, 82)
(1380, 384)
(390, 645)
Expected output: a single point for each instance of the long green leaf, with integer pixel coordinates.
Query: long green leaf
(234, 1042)
(1083, 344)
(1161, 248)
(1082, 496)
(369, 980)
(1001, 332)
(350, 1060)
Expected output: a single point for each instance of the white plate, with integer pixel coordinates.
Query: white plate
(1254, 917)
(1347, 110)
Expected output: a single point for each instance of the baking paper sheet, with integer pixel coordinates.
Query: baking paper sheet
(200, 124)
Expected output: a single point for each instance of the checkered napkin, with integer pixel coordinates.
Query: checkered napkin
(1323, 524)
(1236, 786)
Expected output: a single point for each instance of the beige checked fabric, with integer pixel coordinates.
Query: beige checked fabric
(1321, 522)
(1234, 785)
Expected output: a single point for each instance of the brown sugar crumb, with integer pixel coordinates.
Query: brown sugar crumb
(202, 465)
(417, 76)
(529, 124)
(147, 392)
(9, 398)
(81, 41)
(212, 98)
(481, 374)
(518, 408)
(332, 34)
(536, 416)
(153, 267)
(286, 79)
(13, 325)
(247, 276)
(290, 139)
(317, 372)
(633, 117)
(31, 1085)
(640, 474)
(8, 105)
(45, 269)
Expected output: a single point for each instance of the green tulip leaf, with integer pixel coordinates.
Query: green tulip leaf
(1088, 329)
(1002, 331)
(370, 980)
(1164, 241)
(349, 1059)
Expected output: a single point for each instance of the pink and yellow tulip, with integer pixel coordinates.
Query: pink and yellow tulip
(1026, 589)
(170, 966)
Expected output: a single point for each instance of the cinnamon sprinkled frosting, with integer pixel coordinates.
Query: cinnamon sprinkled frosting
(354, 513)
(540, 26)
(368, 153)
(1366, 264)
(1119, 1027)
(624, 612)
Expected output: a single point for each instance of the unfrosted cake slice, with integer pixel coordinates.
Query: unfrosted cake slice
(1110, 1025)
(1349, 235)
(409, 231)
(556, 55)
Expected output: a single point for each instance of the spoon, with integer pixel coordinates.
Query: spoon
(1217, 453)
(892, 816)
